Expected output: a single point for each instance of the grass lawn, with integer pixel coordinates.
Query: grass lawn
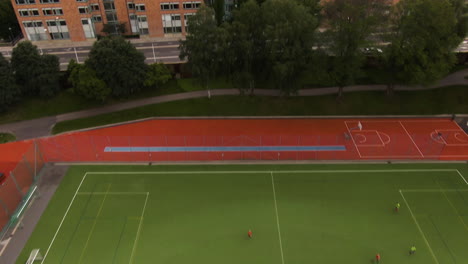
(430, 102)
(298, 214)
(67, 101)
(6, 137)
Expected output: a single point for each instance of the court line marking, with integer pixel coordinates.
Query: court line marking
(455, 133)
(419, 228)
(139, 228)
(461, 175)
(277, 217)
(111, 193)
(352, 138)
(454, 209)
(434, 190)
(411, 138)
(94, 225)
(63, 219)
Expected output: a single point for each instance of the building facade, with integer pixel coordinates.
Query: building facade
(79, 20)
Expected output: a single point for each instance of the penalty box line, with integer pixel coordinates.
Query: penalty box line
(98, 193)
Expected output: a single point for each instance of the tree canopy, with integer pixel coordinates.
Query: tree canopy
(119, 64)
(422, 41)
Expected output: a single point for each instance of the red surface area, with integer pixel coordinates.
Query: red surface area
(379, 139)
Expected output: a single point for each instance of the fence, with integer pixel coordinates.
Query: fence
(17, 185)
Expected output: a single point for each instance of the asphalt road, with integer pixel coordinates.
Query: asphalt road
(166, 52)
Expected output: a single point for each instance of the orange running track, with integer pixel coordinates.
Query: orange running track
(379, 139)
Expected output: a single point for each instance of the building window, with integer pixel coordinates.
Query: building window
(143, 25)
(49, 1)
(28, 12)
(131, 6)
(82, 1)
(172, 23)
(94, 7)
(58, 29)
(52, 11)
(140, 7)
(25, 2)
(109, 6)
(169, 6)
(83, 9)
(192, 5)
(186, 18)
(112, 18)
(97, 19)
(35, 30)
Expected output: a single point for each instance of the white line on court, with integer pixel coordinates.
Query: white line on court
(264, 171)
(139, 228)
(63, 219)
(411, 138)
(352, 138)
(434, 190)
(419, 228)
(462, 177)
(111, 193)
(93, 226)
(277, 217)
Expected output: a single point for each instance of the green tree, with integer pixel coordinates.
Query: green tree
(350, 25)
(157, 75)
(248, 45)
(421, 43)
(289, 30)
(9, 27)
(9, 91)
(26, 64)
(202, 47)
(119, 64)
(86, 83)
(461, 11)
(218, 6)
(48, 80)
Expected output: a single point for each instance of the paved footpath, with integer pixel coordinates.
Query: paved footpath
(42, 126)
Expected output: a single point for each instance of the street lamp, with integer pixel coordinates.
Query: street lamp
(11, 34)
(58, 29)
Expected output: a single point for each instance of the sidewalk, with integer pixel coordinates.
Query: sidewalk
(69, 44)
(42, 126)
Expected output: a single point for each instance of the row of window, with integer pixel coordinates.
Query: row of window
(28, 2)
(45, 11)
(111, 6)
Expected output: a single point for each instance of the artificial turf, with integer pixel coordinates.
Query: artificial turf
(298, 214)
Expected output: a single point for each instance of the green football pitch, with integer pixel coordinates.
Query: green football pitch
(297, 213)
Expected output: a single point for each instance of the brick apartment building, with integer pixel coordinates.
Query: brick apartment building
(78, 20)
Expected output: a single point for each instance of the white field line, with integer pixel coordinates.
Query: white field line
(411, 139)
(419, 228)
(454, 209)
(111, 193)
(462, 177)
(277, 218)
(63, 219)
(352, 138)
(262, 171)
(94, 226)
(139, 228)
(434, 190)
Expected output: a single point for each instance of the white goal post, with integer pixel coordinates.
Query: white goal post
(34, 256)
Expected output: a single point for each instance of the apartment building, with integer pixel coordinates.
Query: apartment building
(78, 20)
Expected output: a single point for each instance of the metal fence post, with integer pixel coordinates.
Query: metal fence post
(12, 176)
